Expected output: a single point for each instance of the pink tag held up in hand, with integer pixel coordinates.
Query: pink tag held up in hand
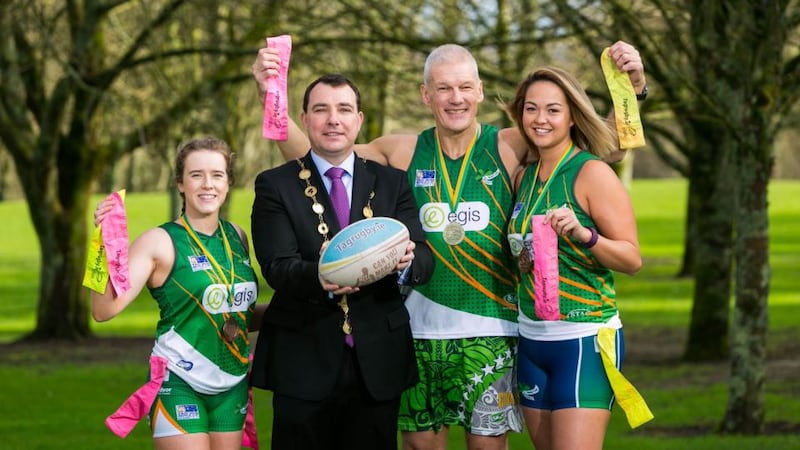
(545, 269)
(115, 241)
(276, 114)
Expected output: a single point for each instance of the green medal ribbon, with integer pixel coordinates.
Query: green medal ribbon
(211, 259)
(546, 186)
(455, 192)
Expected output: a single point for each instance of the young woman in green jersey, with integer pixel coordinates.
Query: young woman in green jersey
(571, 197)
(197, 268)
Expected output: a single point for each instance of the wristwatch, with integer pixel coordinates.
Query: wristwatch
(642, 95)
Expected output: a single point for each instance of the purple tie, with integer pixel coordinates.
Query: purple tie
(342, 207)
(339, 196)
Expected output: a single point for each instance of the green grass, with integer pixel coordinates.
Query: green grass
(62, 405)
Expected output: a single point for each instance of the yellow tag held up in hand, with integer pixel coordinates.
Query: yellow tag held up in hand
(636, 410)
(626, 110)
(95, 277)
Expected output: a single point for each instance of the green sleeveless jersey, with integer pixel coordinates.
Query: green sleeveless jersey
(585, 288)
(471, 292)
(194, 303)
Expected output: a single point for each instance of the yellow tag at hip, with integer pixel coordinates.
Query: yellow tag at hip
(626, 110)
(636, 410)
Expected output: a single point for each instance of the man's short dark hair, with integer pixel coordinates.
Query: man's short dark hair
(335, 80)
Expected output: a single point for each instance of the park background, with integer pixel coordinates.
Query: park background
(97, 95)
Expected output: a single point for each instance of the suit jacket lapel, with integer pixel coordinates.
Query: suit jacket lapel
(363, 186)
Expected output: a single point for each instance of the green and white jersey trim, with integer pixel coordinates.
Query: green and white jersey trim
(198, 371)
(432, 320)
(559, 330)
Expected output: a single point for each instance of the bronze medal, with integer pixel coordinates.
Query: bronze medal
(524, 261)
(453, 233)
(230, 329)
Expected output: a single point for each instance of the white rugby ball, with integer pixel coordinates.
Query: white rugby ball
(364, 251)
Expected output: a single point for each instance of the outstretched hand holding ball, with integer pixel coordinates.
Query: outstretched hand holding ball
(364, 252)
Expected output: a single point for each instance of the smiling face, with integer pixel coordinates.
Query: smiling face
(204, 182)
(332, 120)
(546, 115)
(453, 92)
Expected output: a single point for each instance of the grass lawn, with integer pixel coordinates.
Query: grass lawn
(56, 396)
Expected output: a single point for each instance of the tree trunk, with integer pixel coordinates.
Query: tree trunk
(58, 212)
(712, 199)
(745, 410)
(62, 311)
(693, 209)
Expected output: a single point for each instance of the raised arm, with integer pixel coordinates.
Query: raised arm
(266, 65)
(628, 60)
(392, 150)
(146, 262)
(514, 148)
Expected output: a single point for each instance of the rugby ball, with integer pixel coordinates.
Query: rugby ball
(364, 251)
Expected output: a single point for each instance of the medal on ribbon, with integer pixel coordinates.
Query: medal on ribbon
(525, 246)
(230, 327)
(454, 233)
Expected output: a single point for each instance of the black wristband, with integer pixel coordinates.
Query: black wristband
(642, 95)
(592, 240)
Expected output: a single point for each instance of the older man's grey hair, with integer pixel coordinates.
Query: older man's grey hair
(448, 54)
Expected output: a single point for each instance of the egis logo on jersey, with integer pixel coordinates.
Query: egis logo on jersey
(473, 216)
(215, 297)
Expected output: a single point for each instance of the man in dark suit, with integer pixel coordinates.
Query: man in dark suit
(336, 368)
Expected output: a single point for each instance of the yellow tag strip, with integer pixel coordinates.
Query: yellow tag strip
(636, 410)
(626, 110)
(95, 277)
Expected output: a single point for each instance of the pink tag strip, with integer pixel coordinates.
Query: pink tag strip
(545, 269)
(250, 437)
(122, 421)
(115, 242)
(276, 110)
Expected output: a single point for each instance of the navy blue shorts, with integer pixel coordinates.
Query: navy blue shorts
(565, 374)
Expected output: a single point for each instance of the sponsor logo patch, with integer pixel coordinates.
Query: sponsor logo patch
(530, 394)
(489, 177)
(187, 412)
(473, 216)
(199, 262)
(216, 297)
(425, 178)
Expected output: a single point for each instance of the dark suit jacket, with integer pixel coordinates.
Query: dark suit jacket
(300, 344)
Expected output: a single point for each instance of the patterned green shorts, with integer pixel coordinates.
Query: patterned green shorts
(179, 409)
(469, 382)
